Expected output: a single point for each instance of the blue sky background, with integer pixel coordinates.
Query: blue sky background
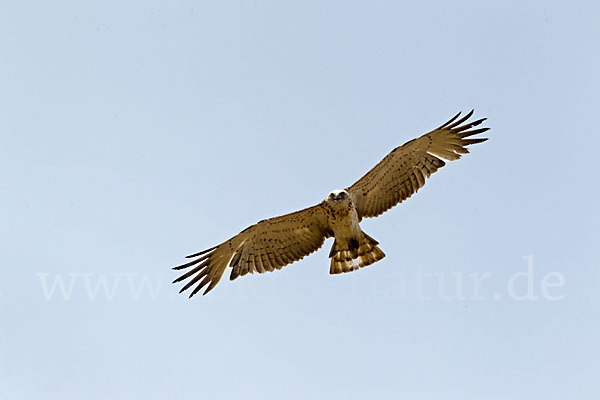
(136, 132)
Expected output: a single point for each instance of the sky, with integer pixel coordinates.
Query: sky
(133, 133)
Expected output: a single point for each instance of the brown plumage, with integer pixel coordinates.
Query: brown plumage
(273, 243)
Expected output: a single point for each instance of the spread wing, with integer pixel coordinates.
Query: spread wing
(402, 172)
(268, 245)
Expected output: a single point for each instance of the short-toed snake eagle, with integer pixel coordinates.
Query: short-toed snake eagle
(273, 243)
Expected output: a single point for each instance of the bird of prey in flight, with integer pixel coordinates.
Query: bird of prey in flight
(276, 242)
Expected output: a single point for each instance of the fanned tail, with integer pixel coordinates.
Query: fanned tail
(357, 254)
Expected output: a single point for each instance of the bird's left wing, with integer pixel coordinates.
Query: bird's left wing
(402, 172)
(265, 246)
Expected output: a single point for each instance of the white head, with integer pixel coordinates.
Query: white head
(338, 196)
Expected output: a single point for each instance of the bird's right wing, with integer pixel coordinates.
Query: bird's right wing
(265, 246)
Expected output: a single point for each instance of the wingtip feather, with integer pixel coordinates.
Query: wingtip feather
(201, 252)
(445, 124)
